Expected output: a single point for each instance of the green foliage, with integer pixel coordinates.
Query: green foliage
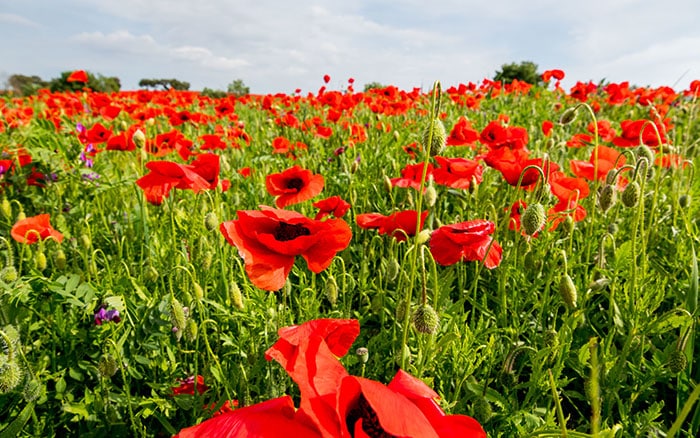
(96, 82)
(373, 86)
(215, 94)
(238, 88)
(525, 71)
(22, 85)
(164, 84)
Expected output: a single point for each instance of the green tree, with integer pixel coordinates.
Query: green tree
(238, 88)
(96, 82)
(25, 85)
(525, 71)
(165, 84)
(374, 86)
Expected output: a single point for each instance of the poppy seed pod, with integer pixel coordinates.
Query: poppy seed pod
(533, 218)
(436, 135)
(567, 290)
(630, 196)
(363, 354)
(426, 319)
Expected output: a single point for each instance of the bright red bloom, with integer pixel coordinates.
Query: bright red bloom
(568, 188)
(462, 134)
(187, 386)
(334, 205)
(554, 73)
(29, 230)
(636, 132)
(458, 173)
(96, 134)
(466, 241)
(607, 159)
(516, 211)
(78, 76)
(264, 420)
(399, 225)
(512, 162)
(326, 78)
(557, 214)
(270, 239)
(201, 174)
(496, 136)
(411, 176)
(547, 126)
(293, 186)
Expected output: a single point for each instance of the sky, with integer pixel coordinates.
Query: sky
(278, 46)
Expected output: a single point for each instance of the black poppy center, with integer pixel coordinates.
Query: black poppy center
(370, 422)
(285, 231)
(295, 183)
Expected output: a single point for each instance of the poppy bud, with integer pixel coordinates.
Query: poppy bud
(482, 409)
(606, 197)
(644, 151)
(198, 291)
(630, 196)
(387, 183)
(107, 366)
(684, 201)
(33, 390)
(568, 116)
(401, 309)
(355, 165)
(430, 196)
(613, 228)
(236, 296)
(532, 261)
(177, 317)
(10, 376)
(610, 177)
(533, 218)
(6, 209)
(392, 269)
(85, 241)
(567, 290)
(40, 260)
(437, 136)
(426, 319)
(363, 354)
(21, 216)
(151, 274)
(423, 236)
(211, 221)
(331, 290)
(207, 259)
(191, 330)
(8, 274)
(677, 362)
(59, 259)
(139, 139)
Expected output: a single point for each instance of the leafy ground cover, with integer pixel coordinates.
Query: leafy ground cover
(321, 261)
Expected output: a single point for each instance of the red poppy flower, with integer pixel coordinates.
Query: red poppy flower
(96, 134)
(293, 186)
(458, 173)
(557, 214)
(602, 160)
(512, 162)
(466, 241)
(334, 205)
(269, 241)
(201, 174)
(399, 225)
(547, 126)
(516, 211)
(495, 136)
(568, 188)
(636, 132)
(265, 420)
(29, 230)
(78, 76)
(462, 134)
(554, 73)
(411, 176)
(187, 386)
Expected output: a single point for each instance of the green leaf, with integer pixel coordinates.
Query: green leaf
(14, 428)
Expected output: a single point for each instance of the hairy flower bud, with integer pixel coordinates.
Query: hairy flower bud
(430, 195)
(11, 374)
(191, 330)
(33, 390)
(6, 209)
(568, 116)
(40, 261)
(177, 317)
(107, 366)
(630, 196)
(331, 290)
(533, 218)
(59, 259)
(606, 197)
(426, 319)
(567, 290)
(211, 221)
(236, 296)
(482, 410)
(434, 137)
(8, 274)
(392, 269)
(684, 201)
(139, 139)
(677, 362)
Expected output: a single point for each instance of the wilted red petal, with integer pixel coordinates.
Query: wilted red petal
(29, 230)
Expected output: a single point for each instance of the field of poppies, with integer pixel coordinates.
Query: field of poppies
(472, 260)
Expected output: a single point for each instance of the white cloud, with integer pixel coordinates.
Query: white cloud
(18, 19)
